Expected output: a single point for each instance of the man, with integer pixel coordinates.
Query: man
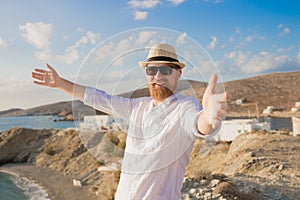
(162, 127)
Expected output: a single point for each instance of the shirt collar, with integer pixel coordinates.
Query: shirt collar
(165, 102)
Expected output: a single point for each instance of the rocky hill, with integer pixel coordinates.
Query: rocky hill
(257, 165)
(60, 109)
(280, 90)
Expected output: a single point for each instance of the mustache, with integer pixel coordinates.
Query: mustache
(161, 82)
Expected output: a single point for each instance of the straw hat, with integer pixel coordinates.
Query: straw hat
(162, 53)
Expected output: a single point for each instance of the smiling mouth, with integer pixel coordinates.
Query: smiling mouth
(158, 84)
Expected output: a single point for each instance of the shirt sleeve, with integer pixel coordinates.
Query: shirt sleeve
(192, 109)
(198, 134)
(114, 105)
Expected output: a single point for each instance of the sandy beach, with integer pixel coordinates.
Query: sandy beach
(57, 185)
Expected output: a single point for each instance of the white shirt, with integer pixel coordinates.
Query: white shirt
(158, 145)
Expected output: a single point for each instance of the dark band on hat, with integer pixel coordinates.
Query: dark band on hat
(162, 58)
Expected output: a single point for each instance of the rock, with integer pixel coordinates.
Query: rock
(203, 182)
(196, 184)
(21, 145)
(207, 195)
(214, 182)
(281, 167)
(192, 191)
(77, 183)
(225, 188)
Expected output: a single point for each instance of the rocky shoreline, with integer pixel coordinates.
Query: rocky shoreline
(57, 185)
(254, 166)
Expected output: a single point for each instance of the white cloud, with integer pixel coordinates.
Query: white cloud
(141, 7)
(264, 61)
(181, 38)
(145, 37)
(38, 34)
(237, 31)
(138, 4)
(127, 50)
(213, 43)
(73, 53)
(264, 53)
(140, 15)
(213, 1)
(284, 30)
(3, 43)
(176, 2)
(44, 55)
(89, 37)
(258, 63)
(238, 57)
(249, 38)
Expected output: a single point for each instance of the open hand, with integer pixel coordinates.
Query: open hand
(47, 78)
(214, 105)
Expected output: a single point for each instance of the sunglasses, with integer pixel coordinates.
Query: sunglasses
(164, 70)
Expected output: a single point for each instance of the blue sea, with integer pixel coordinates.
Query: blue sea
(14, 187)
(35, 122)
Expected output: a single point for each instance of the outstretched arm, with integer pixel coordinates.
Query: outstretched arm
(214, 108)
(51, 78)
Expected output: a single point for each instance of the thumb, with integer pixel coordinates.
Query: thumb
(50, 68)
(212, 84)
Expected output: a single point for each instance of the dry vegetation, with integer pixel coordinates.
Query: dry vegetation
(260, 165)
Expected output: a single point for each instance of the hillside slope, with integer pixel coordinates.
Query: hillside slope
(280, 90)
(262, 164)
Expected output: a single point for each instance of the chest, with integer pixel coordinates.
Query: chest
(152, 129)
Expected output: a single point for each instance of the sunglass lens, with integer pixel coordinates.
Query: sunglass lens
(165, 70)
(151, 71)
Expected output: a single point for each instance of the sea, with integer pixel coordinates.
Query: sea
(13, 186)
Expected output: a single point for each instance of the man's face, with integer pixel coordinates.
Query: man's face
(162, 80)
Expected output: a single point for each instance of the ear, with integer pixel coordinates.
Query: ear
(179, 73)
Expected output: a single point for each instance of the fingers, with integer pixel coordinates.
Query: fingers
(220, 109)
(39, 82)
(214, 104)
(39, 76)
(40, 70)
(212, 83)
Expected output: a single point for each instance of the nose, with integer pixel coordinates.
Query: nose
(158, 75)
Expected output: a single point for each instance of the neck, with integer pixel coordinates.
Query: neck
(155, 102)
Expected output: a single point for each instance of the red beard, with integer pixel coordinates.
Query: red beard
(159, 93)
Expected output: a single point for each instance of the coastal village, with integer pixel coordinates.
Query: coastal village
(230, 129)
(251, 157)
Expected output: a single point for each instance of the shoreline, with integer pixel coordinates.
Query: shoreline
(57, 185)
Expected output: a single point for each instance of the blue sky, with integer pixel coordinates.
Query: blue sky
(244, 38)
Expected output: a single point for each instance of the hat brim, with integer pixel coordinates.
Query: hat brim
(144, 64)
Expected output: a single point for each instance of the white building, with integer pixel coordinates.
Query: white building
(232, 128)
(296, 126)
(296, 108)
(229, 131)
(103, 122)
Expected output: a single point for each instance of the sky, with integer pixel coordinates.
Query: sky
(99, 43)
